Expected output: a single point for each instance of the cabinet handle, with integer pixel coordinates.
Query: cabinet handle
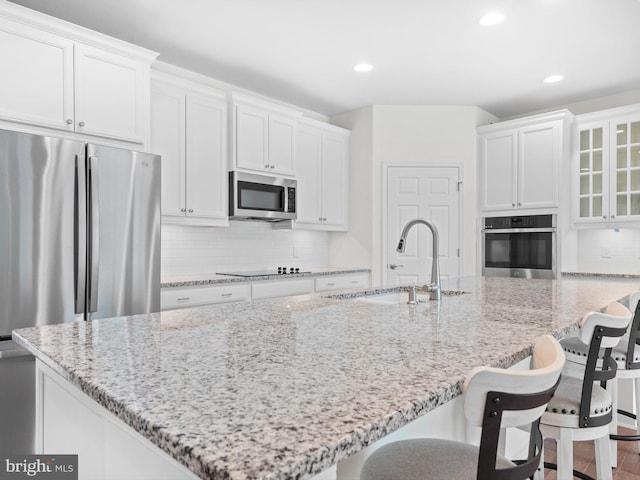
(191, 210)
(183, 299)
(354, 281)
(226, 295)
(330, 284)
(69, 121)
(81, 124)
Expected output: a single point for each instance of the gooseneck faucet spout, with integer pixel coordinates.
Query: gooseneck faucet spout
(434, 286)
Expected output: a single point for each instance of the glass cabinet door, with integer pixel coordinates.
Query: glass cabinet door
(626, 170)
(593, 202)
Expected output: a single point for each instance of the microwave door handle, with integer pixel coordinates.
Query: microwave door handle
(80, 234)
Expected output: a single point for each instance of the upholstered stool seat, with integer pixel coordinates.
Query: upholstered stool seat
(577, 351)
(426, 458)
(494, 399)
(564, 407)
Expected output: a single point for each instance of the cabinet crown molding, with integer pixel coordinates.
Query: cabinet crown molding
(18, 13)
(563, 114)
(609, 113)
(327, 127)
(241, 98)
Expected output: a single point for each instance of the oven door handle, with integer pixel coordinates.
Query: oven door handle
(520, 230)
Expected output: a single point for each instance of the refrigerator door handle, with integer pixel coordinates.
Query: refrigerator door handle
(94, 233)
(80, 234)
(16, 352)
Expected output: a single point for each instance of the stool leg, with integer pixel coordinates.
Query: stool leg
(603, 458)
(613, 426)
(564, 448)
(636, 384)
(539, 475)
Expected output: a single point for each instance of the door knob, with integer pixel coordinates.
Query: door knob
(393, 266)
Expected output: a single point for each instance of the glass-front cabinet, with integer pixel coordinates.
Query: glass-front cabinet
(608, 176)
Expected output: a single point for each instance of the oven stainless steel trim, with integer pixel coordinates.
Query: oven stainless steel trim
(238, 213)
(522, 272)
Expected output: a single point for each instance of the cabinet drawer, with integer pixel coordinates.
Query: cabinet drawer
(339, 282)
(281, 288)
(190, 296)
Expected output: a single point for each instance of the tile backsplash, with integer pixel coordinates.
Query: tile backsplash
(188, 250)
(609, 250)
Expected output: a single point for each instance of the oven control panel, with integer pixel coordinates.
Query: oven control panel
(523, 221)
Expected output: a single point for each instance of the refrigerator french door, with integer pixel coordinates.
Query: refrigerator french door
(79, 240)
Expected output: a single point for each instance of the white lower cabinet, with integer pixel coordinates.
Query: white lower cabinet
(340, 282)
(180, 297)
(281, 288)
(69, 422)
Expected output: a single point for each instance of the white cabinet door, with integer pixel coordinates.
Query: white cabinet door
(168, 140)
(206, 157)
(37, 77)
(108, 95)
(252, 130)
(334, 180)
(538, 158)
(281, 144)
(309, 171)
(498, 170)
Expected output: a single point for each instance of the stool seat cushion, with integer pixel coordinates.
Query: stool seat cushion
(425, 458)
(577, 352)
(564, 408)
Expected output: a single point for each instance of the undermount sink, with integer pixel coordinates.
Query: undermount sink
(403, 297)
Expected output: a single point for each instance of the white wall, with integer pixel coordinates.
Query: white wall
(242, 246)
(387, 134)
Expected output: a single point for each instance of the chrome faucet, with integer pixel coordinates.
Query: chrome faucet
(434, 286)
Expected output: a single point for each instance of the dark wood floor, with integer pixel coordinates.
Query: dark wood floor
(584, 458)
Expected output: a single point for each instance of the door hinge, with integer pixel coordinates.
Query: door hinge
(458, 253)
(459, 183)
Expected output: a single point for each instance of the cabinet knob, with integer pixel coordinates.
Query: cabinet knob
(320, 218)
(69, 121)
(266, 166)
(604, 216)
(513, 204)
(183, 209)
(273, 166)
(519, 204)
(613, 216)
(81, 124)
(324, 219)
(191, 210)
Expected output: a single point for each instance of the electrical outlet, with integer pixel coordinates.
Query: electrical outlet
(606, 252)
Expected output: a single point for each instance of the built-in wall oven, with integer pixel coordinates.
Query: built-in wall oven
(520, 246)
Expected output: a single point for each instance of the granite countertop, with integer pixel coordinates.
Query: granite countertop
(216, 279)
(284, 388)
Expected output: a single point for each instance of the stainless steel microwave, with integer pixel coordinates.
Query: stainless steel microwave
(261, 197)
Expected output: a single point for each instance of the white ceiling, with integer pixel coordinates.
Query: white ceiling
(424, 52)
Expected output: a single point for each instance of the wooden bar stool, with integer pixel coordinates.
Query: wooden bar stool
(582, 407)
(627, 356)
(494, 398)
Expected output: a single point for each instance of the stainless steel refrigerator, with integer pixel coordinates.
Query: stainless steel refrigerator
(79, 240)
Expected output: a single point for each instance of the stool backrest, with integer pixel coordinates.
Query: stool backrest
(632, 337)
(600, 331)
(547, 362)
(614, 316)
(496, 399)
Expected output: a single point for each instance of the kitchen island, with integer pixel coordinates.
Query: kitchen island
(286, 388)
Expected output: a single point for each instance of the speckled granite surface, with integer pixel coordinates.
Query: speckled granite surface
(284, 388)
(215, 279)
(604, 275)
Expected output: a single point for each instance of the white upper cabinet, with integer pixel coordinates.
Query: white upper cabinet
(264, 136)
(606, 169)
(189, 131)
(59, 76)
(322, 163)
(521, 160)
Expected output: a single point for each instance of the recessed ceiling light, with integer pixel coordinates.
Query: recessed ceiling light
(363, 67)
(491, 19)
(553, 79)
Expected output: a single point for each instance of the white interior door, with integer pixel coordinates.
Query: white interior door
(430, 193)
